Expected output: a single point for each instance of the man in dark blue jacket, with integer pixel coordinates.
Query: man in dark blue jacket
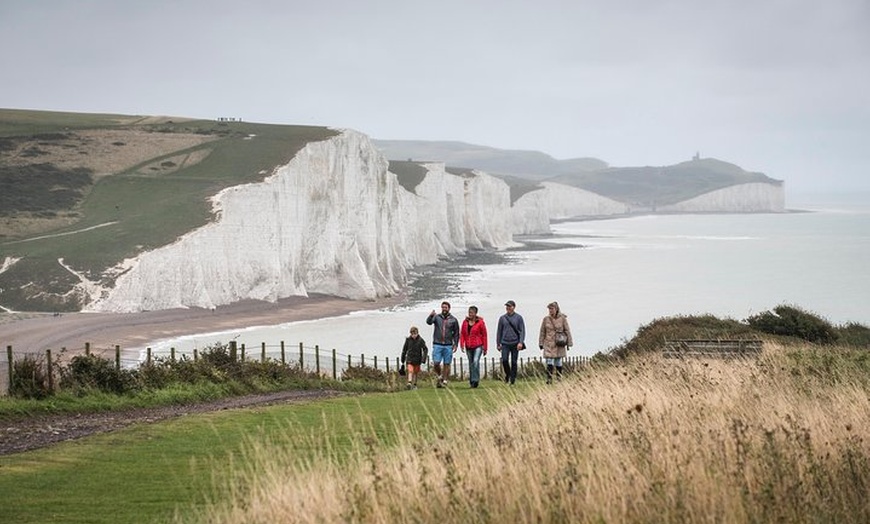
(444, 341)
(511, 339)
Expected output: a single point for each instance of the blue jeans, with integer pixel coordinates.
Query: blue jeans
(509, 356)
(474, 363)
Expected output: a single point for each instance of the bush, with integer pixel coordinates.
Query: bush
(655, 335)
(90, 372)
(853, 334)
(364, 373)
(792, 321)
(29, 378)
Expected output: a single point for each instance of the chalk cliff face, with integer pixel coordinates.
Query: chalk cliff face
(335, 221)
(742, 198)
(533, 211)
(331, 221)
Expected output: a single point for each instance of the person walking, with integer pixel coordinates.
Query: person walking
(473, 339)
(445, 340)
(555, 340)
(414, 355)
(510, 338)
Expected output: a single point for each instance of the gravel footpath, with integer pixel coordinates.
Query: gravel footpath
(42, 431)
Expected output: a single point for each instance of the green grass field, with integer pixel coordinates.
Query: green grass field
(148, 472)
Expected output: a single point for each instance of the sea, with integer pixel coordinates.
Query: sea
(613, 276)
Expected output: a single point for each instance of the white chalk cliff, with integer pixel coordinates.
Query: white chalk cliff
(333, 220)
(533, 211)
(336, 221)
(753, 197)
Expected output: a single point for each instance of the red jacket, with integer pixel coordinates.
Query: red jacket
(474, 335)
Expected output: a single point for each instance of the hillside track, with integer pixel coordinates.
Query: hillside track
(26, 434)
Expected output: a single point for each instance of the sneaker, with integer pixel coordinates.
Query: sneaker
(507, 379)
(549, 380)
(444, 383)
(415, 386)
(409, 385)
(440, 383)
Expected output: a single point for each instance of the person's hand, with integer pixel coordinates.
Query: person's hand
(454, 349)
(521, 346)
(432, 314)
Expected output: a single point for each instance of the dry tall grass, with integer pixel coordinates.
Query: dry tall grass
(648, 441)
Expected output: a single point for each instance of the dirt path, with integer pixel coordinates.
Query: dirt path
(43, 431)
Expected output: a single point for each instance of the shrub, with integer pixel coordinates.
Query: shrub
(364, 373)
(86, 372)
(792, 321)
(853, 334)
(655, 335)
(29, 378)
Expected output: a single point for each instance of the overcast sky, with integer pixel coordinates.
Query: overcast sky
(777, 86)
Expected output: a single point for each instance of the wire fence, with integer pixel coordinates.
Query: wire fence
(327, 363)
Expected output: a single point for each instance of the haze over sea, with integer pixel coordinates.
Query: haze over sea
(626, 272)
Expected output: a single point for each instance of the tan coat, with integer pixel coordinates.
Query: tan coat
(547, 336)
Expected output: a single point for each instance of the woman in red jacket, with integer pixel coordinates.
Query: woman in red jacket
(472, 338)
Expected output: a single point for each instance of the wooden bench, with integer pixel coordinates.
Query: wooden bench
(712, 348)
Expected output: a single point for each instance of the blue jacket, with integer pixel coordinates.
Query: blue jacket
(511, 330)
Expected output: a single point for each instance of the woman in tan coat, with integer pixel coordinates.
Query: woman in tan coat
(555, 340)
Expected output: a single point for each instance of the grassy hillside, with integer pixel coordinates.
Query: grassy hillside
(531, 165)
(642, 186)
(95, 189)
(779, 438)
(657, 186)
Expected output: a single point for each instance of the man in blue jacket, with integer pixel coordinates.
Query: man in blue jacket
(511, 339)
(444, 341)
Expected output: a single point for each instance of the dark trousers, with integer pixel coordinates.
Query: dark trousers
(509, 356)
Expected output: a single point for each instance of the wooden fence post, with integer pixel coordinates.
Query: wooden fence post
(50, 370)
(334, 366)
(243, 352)
(172, 354)
(148, 356)
(262, 352)
(376, 362)
(195, 354)
(233, 350)
(317, 359)
(301, 363)
(11, 368)
(87, 349)
(117, 357)
(283, 355)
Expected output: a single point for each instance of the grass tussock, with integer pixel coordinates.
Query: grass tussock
(649, 440)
